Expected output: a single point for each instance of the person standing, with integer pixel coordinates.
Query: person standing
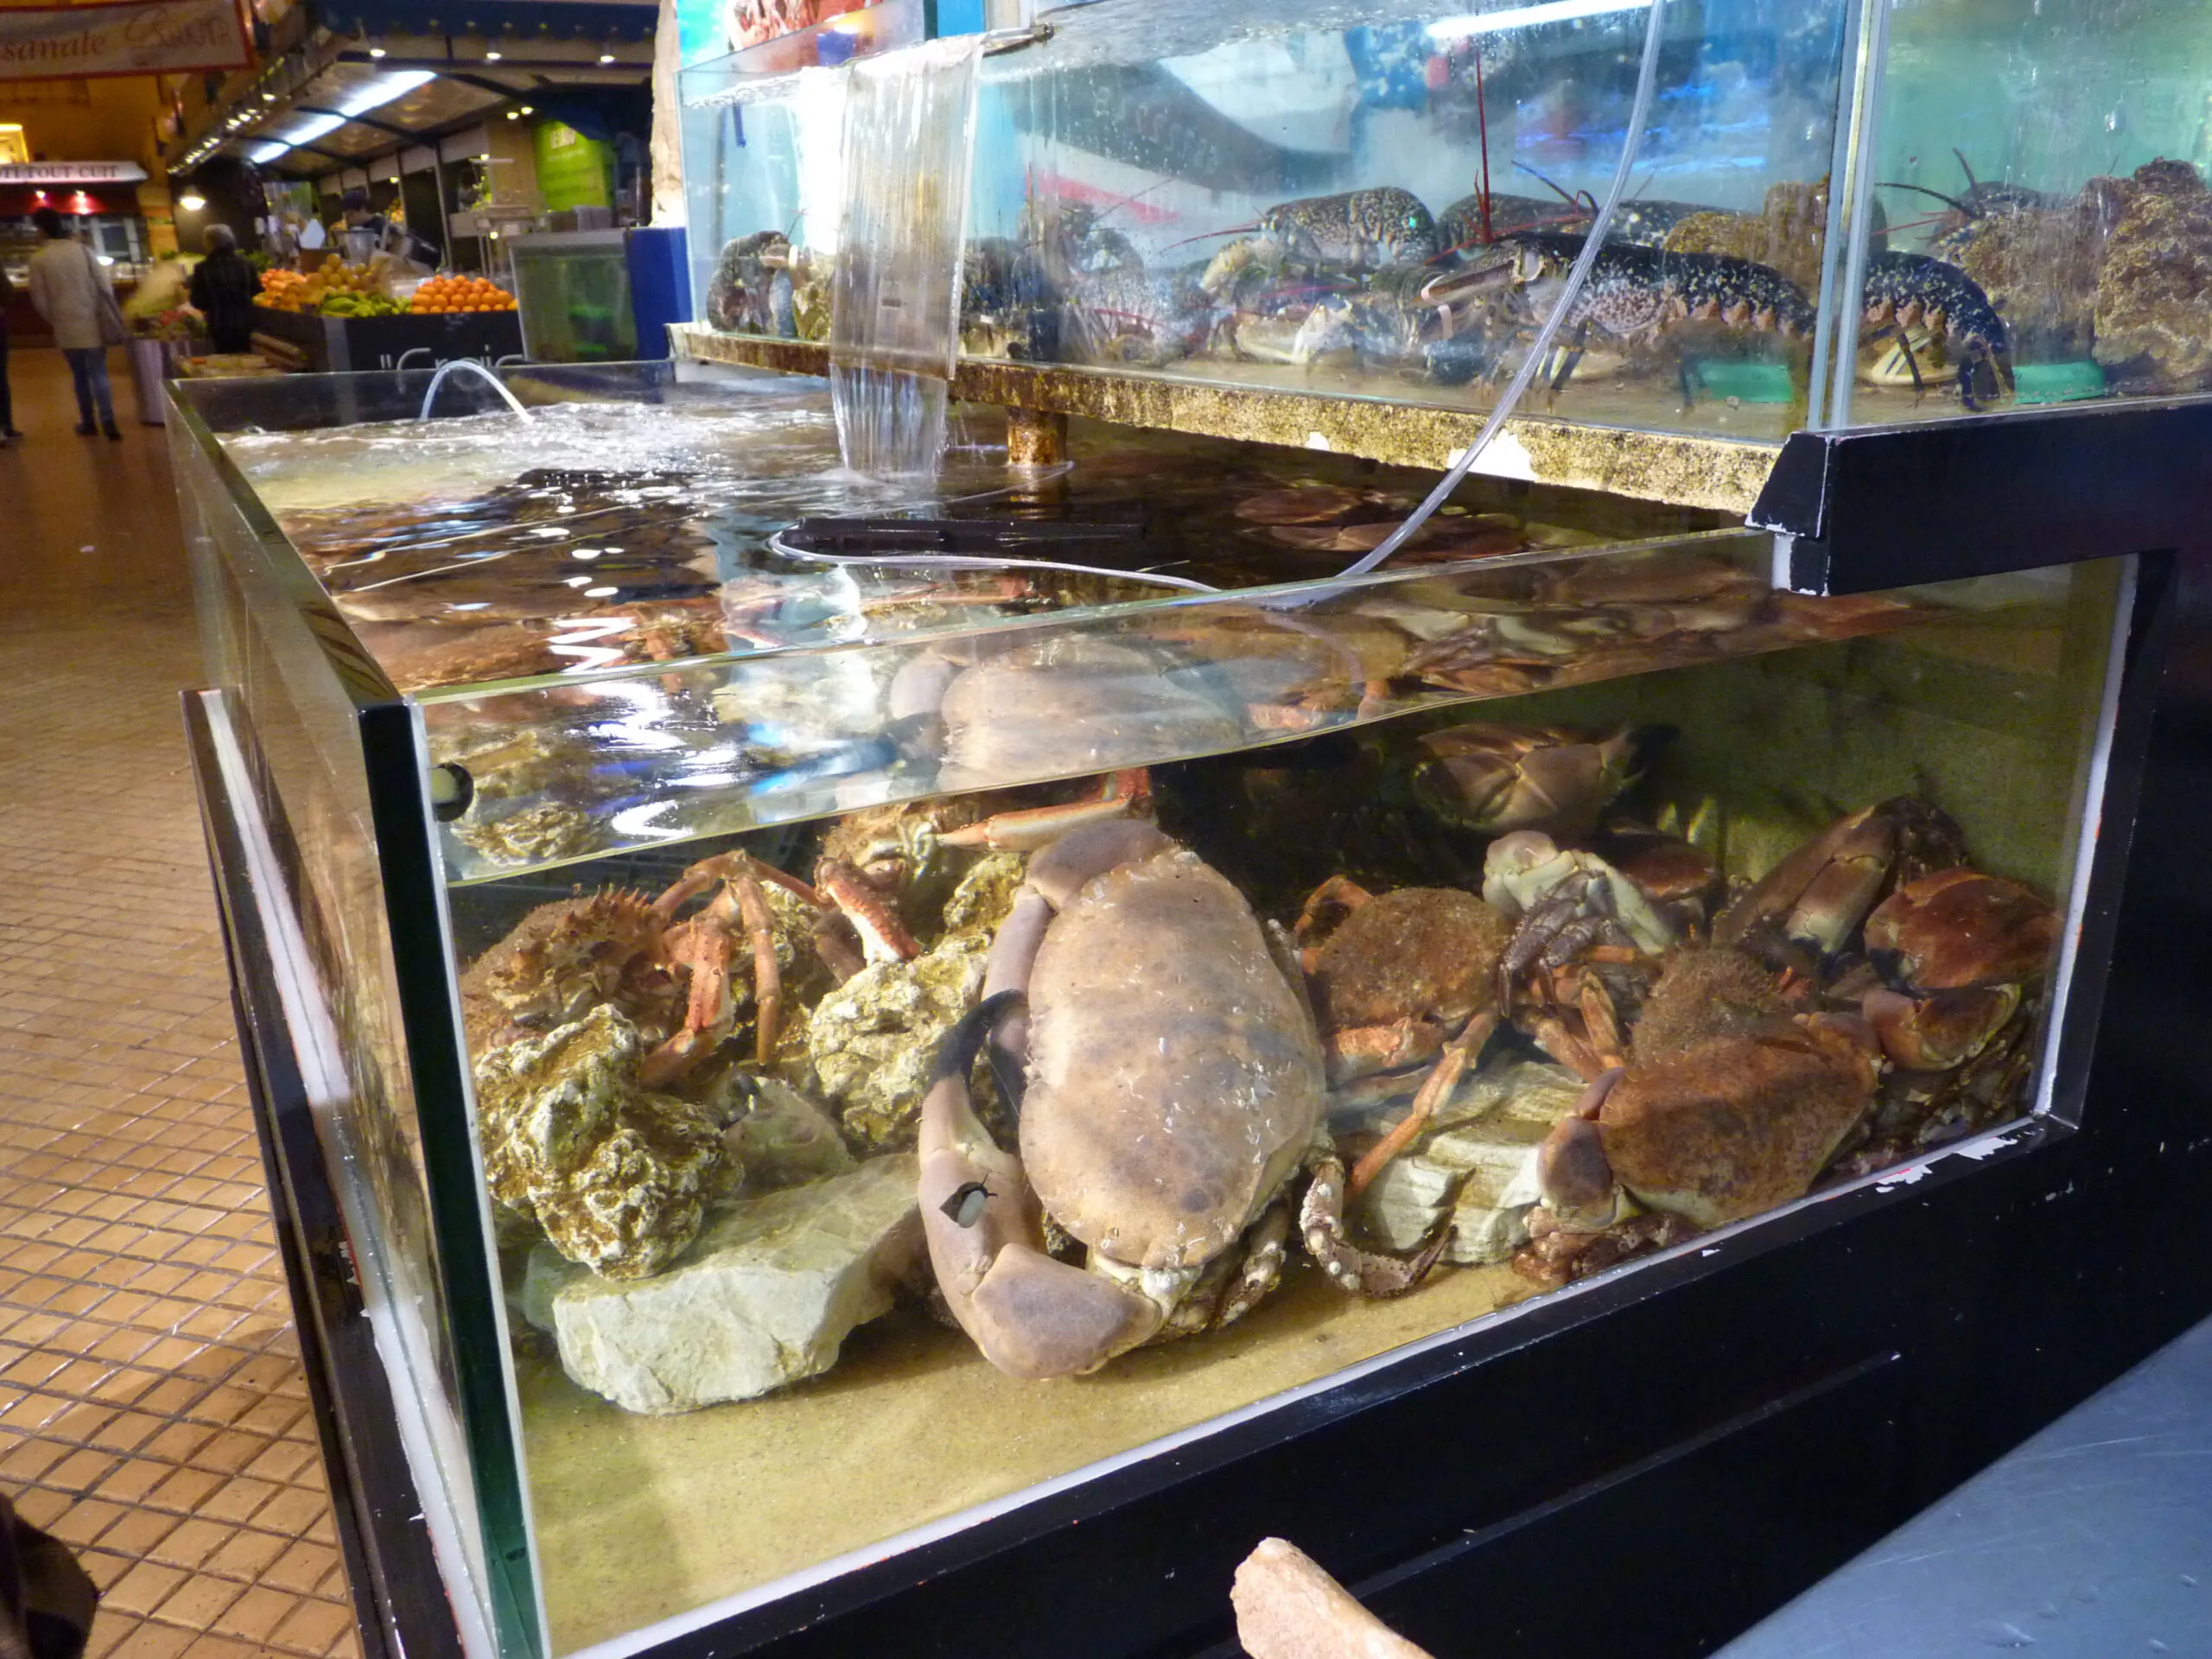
(72, 293)
(8, 433)
(223, 286)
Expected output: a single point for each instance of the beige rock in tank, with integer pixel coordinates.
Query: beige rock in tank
(764, 1298)
(1478, 1162)
(870, 1042)
(617, 1176)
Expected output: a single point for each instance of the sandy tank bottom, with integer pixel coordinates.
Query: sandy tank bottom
(640, 1518)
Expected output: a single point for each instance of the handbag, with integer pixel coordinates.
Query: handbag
(113, 330)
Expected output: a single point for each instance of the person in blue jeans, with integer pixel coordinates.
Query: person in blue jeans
(70, 289)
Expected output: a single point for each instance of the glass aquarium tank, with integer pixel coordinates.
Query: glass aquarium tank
(1309, 221)
(2051, 161)
(873, 1005)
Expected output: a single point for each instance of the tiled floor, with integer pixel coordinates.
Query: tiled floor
(152, 1409)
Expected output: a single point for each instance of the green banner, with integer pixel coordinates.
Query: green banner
(573, 171)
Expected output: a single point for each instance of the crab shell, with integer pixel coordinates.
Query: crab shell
(1959, 930)
(1499, 778)
(1728, 1129)
(1173, 1085)
(1175, 1076)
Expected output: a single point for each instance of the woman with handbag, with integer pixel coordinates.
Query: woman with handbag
(70, 290)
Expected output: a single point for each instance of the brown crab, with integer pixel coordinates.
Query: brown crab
(1174, 1088)
(1957, 949)
(1713, 1134)
(1393, 977)
(1807, 908)
(1494, 779)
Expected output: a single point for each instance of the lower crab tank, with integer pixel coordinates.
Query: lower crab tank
(933, 1152)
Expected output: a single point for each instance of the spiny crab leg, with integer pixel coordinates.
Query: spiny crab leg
(704, 945)
(1321, 1223)
(722, 867)
(1436, 1089)
(1568, 1047)
(884, 937)
(1026, 830)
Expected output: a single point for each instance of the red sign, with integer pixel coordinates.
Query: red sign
(120, 37)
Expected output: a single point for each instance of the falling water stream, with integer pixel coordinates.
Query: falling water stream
(894, 308)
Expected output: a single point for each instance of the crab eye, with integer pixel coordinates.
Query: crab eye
(965, 1207)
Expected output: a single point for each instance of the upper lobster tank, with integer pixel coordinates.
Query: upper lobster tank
(1306, 223)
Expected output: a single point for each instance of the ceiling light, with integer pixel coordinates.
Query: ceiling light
(269, 98)
(192, 202)
(396, 83)
(491, 57)
(312, 128)
(526, 110)
(262, 154)
(608, 57)
(514, 115)
(376, 51)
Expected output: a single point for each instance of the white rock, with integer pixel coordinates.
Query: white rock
(1480, 1162)
(544, 1275)
(764, 1296)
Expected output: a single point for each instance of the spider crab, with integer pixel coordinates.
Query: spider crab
(670, 978)
(1172, 1090)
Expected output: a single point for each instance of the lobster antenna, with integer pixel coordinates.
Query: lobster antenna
(1924, 190)
(1233, 230)
(1481, 126)
(1557, 189)
(1134, 195)
(1972, 182)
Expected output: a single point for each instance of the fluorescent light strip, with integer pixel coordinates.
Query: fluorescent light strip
(1552, 12)
(385, 87)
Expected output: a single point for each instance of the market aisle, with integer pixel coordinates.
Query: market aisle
(152, 1410)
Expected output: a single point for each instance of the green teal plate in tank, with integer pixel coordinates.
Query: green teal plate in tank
(2057, 383)
(1747, 383)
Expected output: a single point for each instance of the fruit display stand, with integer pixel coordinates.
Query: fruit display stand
(343, 345)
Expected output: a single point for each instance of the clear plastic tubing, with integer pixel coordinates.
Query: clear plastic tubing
(982, 562)
(1639, 113)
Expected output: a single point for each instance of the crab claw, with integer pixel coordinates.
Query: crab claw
(1032, 1316)
(1573, 1171)
(1935, 1032)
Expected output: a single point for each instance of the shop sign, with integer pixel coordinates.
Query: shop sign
(134, 37)
(41, 174)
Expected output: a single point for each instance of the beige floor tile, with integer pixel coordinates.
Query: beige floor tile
(236, 1499)
(141, 1589)
(312, 1626)
(151, 1402)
